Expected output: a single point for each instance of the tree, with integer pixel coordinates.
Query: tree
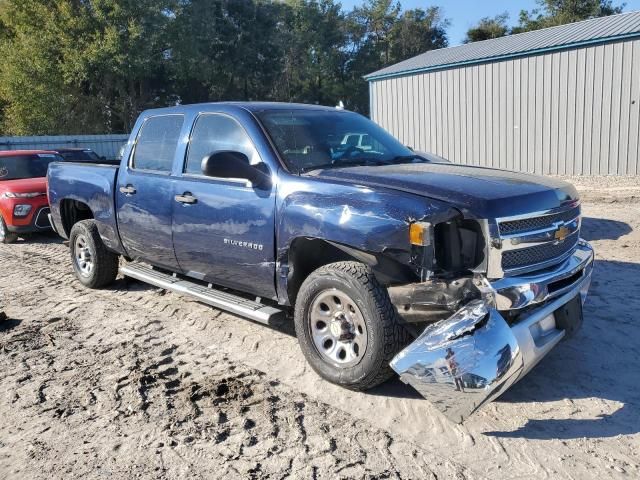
(117, 55)
(488, 28)
(226, 50)
(374, 21)
(381, 34)
(559, 12)
(91, 66)
(418, 31)
(33, 93)
(72, 66)
(314, 52)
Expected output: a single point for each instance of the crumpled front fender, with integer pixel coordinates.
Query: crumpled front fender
(463, 362)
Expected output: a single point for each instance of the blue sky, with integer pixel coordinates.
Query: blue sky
(464, 13)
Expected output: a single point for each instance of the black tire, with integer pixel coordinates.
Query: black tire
(5, 235)
(85, 239)
(385, 336)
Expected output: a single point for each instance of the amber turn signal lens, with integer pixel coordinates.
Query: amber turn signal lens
(419, 234)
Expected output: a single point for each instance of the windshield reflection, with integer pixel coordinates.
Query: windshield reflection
(313, 139)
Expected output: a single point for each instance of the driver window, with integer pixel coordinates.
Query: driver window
(215, 132)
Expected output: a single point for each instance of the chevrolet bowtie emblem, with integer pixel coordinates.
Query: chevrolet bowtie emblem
(561, 233)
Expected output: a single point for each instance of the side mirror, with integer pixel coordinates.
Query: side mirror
(230, 164)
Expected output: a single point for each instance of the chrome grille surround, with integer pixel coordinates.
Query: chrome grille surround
(534, 241)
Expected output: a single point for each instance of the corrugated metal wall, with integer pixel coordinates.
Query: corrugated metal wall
(104, 145)
(574, 112)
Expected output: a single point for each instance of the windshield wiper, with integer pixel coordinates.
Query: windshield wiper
(405, 158)
(356, 162)
(365, 161)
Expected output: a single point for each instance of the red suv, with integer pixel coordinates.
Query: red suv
(24, 207)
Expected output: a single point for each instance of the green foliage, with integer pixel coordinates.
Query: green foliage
(488, 28)
(73, 65)
(224, 50)
(550, 13)
(559, 12)
(418, 31)
(381, 34)
(32, 90)
(91, 66)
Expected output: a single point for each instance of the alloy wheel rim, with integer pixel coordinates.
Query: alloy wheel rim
(338, 329)
(83, 256)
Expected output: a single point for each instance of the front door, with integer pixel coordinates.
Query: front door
(223, 230)
(144, 193)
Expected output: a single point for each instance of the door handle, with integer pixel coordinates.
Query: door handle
(187, 198)
(128, 190)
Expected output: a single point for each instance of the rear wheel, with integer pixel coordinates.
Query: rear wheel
(94, 265)
(5, 235)
(346, 325)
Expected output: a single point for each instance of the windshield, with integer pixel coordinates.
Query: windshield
(26, 166)
(312, 139)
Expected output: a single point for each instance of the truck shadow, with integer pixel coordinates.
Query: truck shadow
(394, 388)
(41, 238)
(284, 325)
(600, 362)
(9, 324)
(603, 229)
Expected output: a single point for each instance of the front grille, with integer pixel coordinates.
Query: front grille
(537, 223)
(531, 256)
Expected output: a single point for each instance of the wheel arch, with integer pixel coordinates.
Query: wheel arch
(71, 212)
(307, 254)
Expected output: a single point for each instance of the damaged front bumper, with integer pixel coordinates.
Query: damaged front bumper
(470, 358)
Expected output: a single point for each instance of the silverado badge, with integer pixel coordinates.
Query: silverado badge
(239, 243)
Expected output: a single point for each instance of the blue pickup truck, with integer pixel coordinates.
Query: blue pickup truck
(459, 278)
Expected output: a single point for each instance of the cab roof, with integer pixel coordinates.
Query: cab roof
(249, 106)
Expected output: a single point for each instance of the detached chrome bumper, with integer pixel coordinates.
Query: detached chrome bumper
(470, 358)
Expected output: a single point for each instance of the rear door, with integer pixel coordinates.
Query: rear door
(224, 233)
(144, 192)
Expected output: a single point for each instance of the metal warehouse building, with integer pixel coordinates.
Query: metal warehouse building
(563, 100)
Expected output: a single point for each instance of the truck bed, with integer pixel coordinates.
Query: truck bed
(85, 186)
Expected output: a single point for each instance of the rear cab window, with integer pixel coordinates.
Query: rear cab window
(157, 143)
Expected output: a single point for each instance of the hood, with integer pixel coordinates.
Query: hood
(478, 192)
(24, 185)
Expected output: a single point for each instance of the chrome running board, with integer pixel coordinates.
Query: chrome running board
(253, 310)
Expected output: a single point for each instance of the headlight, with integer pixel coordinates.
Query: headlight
(21, 210)
(23, 195)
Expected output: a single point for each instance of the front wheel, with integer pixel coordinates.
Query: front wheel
(94, 265)
(5, 235)
(346, 325)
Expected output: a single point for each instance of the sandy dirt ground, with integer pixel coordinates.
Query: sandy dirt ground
(134, 382)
